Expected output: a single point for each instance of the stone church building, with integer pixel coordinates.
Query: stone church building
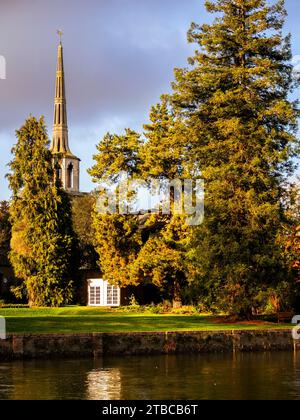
(95, 290)
(66, 164)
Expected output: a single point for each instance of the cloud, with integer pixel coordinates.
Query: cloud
(119, 58)
(117, 53)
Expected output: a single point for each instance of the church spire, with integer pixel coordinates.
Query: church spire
(66, 164)
(60, 143)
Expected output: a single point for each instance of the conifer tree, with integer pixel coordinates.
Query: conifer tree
(42, 236)
(240, 129)
(116, 154)
(162, 152)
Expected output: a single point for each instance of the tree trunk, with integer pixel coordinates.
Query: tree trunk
(177, 298)
(246, 314)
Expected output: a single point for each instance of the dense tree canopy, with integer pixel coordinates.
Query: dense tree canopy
(162, 260)
(230, 120)
(82, 210)
(151, 249)
(290, 237)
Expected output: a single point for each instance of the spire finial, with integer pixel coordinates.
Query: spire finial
(60, 34)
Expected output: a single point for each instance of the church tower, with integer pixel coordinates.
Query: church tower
(67, 165)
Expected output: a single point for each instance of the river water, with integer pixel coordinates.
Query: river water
(243, 376)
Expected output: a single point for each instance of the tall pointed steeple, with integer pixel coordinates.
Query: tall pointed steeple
(67, 165)
(60, 142)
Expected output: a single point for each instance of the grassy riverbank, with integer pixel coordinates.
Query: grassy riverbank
(89, 320)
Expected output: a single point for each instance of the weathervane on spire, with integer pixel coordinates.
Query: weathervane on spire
(60, 34)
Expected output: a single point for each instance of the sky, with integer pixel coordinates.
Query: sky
(119, 58)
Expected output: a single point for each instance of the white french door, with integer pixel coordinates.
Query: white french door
(101, 293)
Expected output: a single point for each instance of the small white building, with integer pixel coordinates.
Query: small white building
(101, 293)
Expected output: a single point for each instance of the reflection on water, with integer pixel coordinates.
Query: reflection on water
(244, 376)
(103, 384)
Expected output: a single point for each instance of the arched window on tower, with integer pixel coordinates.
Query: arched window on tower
(58, 144)
(58, 171)
(70, 176)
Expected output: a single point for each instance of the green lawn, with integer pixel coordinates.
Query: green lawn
(88, 320)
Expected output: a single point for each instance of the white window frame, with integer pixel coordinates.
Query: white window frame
(113, 289)
(103, 285)
(96, 288)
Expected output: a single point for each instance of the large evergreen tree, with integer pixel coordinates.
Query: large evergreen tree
(42, 236)
(240, 128)
(162, 154)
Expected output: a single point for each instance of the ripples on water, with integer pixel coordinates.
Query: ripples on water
(244, 376)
